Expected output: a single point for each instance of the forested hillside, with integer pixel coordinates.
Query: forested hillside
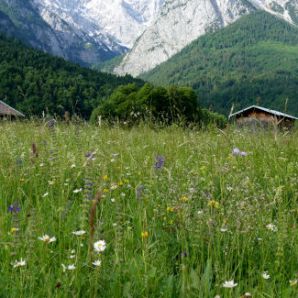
(34, 82)
(252, 61)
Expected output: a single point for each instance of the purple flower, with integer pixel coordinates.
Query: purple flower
(160, 161)
(90, 155)
(14, 208)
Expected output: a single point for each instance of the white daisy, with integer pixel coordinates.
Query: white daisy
(47, 239)
(229, 284)
(100, 246)
(20, 263)
(70, 267)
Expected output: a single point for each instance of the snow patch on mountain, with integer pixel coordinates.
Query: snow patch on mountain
(115, 22)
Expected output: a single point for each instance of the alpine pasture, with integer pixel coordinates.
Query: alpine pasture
(92, 211)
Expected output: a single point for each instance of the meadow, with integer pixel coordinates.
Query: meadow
(92, 211)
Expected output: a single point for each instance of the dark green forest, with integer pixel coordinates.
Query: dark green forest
(33, 82)
(253, 61)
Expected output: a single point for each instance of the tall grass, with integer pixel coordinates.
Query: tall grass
(203, 216)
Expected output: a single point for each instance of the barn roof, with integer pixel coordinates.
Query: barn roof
(272, 112)
(7, 110)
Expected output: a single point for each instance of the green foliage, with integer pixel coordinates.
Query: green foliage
(254, 60)
(167, 105)
(34, 82)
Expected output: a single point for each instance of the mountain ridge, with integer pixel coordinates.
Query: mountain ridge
(182, 21)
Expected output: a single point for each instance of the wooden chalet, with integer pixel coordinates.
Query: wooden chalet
(7, 112)
(256, 116)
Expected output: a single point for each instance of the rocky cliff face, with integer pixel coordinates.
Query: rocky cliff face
(83, 31)
(182, 21)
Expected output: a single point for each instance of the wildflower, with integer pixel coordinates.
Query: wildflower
(200, 212)
(184, 199)
(272, 227)
(238, 152)
(160, 161)
(114, 186)
(14, 230)
(79, 233)
(293, 282)
(90, 155)
(72, 256)
(72, 166)
(20, 263)
(247, 295)
(223, 230)
(229, 284)
(105, 190)
(213, 204)
(170, 209)
(97, 263)
(105, 178)
(70, 267)
(14, 208)
(77, 190)
(100, 246)
(47, 239)
(45, 194)
(144, 235)
(113, 200)
(265, 275)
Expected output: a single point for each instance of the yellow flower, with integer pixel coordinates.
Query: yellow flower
(105, 190)
(105, 178)
(145, 235)
(184, 199)
(170, 209)
(213, 204)
(120, 183)
(14, 230)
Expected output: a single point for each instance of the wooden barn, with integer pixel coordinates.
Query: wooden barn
(7, 112)
(256, 116)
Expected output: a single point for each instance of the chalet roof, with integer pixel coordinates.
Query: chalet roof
(7, 110)
(272, 112)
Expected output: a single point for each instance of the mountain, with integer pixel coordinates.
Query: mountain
(182, 21)
(33, 82)
(83, 31)
(253, 61)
